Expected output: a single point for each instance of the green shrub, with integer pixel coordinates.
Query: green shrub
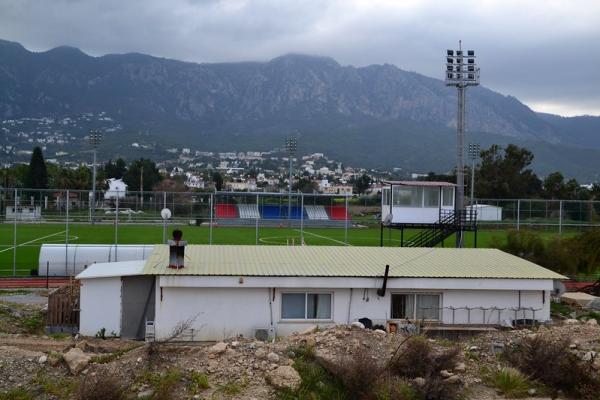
(551, 362)
(198, 382)
(510, 381)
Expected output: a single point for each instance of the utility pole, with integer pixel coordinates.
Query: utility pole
(95, 138)
(461, 75)
(291, 144)
(142, 185)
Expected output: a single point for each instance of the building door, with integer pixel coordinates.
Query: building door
(137, 295)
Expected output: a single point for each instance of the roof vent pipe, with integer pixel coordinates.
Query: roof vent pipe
(381, 292)
(176, 250)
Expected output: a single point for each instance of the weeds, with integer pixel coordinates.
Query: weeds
(198, 382)
(101, 387)
(510, 381)
(16, 394)
(163, 385)
(552, 363)
(55, 386)
(230, 388)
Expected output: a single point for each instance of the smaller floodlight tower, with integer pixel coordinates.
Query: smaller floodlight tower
(95, 138)
(291, 145)
(461, 72)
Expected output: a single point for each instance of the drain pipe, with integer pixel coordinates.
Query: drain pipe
(349, 306)
(381, 292)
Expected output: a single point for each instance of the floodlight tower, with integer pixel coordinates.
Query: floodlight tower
(291, 144)
(474, 150)
(95, 138)
(461, 72)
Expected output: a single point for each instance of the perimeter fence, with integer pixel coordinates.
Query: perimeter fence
(30, 218)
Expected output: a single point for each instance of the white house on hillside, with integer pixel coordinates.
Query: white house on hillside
(116, 189)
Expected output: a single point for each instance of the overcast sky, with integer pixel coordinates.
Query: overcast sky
(544, 52)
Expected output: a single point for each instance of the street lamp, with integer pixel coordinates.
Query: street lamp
(291, 145)
(95, 138)
(474, 150)
(461, 72)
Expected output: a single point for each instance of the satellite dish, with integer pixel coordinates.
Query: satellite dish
(388, 219)
(559, 288)
(165, 213)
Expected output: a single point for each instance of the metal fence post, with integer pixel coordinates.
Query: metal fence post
(560, 213)
(518, 214)
(346, 223)
(302, 219)
(67, 234)
(210, 225)
(117, 226)
(15, 236)
(257, 217)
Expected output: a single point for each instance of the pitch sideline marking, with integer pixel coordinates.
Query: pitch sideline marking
(324, 237)
(31, 241)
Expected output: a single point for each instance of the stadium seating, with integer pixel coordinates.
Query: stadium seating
(270, 212)
(316, 212)
(248, 211)
(295, 212)
(337, 213)
(226, 211)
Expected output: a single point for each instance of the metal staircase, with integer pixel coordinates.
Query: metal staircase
(450, 222)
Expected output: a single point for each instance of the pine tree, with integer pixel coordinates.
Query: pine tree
(37, 177)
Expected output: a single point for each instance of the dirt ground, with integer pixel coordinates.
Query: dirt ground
(36, 364)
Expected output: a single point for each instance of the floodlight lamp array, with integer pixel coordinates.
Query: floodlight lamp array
(95, 138)
(291, 145)
(474, 150)
(461, 69)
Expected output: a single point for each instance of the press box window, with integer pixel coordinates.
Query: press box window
(306, 306)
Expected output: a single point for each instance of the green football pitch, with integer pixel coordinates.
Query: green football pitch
(30, 237)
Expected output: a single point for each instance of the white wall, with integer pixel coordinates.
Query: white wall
(230, 311)
(100, 306)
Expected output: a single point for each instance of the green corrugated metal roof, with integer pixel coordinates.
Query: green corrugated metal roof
(340, 261)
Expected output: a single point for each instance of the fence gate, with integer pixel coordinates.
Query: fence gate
(63, 309)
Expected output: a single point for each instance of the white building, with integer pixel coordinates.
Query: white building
(226, 291)
(23, 213)
(116, 189)
(419, 202)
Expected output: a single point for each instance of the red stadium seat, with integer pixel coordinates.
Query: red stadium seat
(226, 211)
(337, 213)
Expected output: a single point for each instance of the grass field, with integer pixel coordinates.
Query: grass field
(31, 236)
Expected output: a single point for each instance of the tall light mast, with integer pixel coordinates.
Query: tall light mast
(461, 72)
(95, 138)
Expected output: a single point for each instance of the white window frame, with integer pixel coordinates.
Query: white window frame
(305, 293)
(414, 311)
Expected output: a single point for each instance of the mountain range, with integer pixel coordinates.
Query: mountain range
(375, 116)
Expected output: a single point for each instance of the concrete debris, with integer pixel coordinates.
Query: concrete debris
(273, 357)
(76, 360)
(218, 348)
(284, 377)
(357, 324)
(309, 330)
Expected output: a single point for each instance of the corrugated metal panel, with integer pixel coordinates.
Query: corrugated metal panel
(331, 261)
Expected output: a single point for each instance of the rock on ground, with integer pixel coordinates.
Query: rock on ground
(284, 377)
(76, 360)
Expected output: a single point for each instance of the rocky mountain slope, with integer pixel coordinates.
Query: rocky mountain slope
(238, 106)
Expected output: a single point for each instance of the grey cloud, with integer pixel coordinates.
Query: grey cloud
(543, 52)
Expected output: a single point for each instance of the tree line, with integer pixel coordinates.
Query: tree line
(41, 175)
(505, 173)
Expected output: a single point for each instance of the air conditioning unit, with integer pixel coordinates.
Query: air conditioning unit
(264, 334)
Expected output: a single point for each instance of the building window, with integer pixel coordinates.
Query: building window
(306, 306)
(385, 195)
(448, 196)
(432, 197)
(409, 305)
(407, 196)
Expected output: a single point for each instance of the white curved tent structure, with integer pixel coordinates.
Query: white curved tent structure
(63, 260)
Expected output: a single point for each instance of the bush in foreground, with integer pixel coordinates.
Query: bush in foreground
(551, 362)
(510, 381)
